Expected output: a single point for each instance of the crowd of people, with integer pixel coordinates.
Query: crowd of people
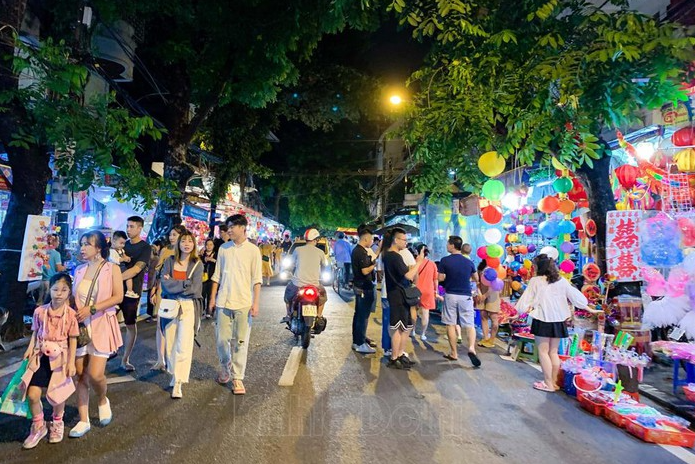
(77, 330)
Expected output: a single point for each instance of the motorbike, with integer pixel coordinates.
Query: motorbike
(304, 315)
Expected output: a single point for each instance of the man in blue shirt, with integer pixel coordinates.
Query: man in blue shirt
(52, 267)
(343, 252)
(455, 273)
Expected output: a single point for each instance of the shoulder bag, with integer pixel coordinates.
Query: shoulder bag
(168, 307)
(85, 336)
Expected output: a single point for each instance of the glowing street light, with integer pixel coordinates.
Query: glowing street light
(395, 100)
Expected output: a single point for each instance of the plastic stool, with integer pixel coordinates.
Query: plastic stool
(689, 374)
(523, 344)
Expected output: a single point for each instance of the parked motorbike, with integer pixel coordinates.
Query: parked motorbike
(304, 315)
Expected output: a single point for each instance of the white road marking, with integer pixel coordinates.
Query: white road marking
(681, 453)
(291, 367)
(120, 379)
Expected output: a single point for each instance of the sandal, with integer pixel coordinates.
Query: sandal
(238, 387)
(128, 367)
(450, 358)
(540, 385)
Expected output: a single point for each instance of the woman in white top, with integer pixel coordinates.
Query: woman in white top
(546, 300)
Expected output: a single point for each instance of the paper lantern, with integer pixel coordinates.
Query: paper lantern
(490, 274)
(491, 164)
(627, 175)
(497, 285)
(567, 247)
(567, 266)
(501, 272)
(590, 228)
(591, 271)
(493, 263)
(527, 264)
(548, 204)
(482, 252)
(491, 214)
(493, 189)
(516, 286)
(523, 272)
(515, 265)
(531, 248)
(522, 249)
(528, 230)
(494, 251)
(577, 193)
(566, 227)
(684, 137)
(562, 185)
(577, 223)
(492, 235)
(548, 229)
(566, 206)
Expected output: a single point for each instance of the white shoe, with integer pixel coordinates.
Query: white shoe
(388, 353)
(413, 334)
(364, 348)
(105, 414)
(79, 430)
(354, 347)
(176, 393)
(423, 338)
(131, 294)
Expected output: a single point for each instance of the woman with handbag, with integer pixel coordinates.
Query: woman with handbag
(209, 257)
(182, 283)
(545, 299)
(98, 289)
(164, 254)
(428, 284)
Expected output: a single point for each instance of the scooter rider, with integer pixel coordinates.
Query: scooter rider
(308, 261)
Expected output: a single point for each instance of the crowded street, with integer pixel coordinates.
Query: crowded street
(342, 407)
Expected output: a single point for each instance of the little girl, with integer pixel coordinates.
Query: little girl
(51, 355)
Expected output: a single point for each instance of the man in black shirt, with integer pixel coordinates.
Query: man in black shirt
(363, 284)
(286, 243)
(139, 252)
(223, 238)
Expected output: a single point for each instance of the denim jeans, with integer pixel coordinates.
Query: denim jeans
(385, 322)
(233, 332)
(363, 308)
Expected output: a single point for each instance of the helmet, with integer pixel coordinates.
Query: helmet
(311, 234)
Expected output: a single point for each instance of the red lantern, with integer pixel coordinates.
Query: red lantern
(684, 137)
(491, 214)
(578, 223)
(590, 228)
(548, 204)
(627, 175)
(577, 193)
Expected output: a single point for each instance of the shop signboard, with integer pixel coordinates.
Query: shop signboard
(622, 245)
(34, 248)
(195, 212)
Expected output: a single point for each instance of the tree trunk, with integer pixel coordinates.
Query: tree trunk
(168, 212)
(596, 181)
(212, 222)
(30, 174)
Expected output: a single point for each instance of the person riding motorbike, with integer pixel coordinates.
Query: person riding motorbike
(308, 261)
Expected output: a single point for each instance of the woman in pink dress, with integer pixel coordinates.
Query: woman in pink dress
(98, 312)
(428, 284)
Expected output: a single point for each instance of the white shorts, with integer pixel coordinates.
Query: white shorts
(90, 350)
(458, 309)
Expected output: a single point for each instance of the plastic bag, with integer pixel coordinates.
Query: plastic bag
(12, 401)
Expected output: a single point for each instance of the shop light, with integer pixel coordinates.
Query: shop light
(511, 201)
(645, 150)
(86, 222)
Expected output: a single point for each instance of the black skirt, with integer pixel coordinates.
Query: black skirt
(549, 329)
(42, 376)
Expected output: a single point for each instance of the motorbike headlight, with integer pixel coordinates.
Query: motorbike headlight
(284, 275)
(287, 262)
(326, 277)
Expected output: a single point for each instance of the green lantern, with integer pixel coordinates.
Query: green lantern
(493, 190)
(494, 251)
(562, 184)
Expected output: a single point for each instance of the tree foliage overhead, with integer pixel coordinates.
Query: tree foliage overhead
(540, 79)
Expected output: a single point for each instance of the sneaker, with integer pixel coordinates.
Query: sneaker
(406, 360)
(355, 346)
(223, 378)
(131, 294)
(364, 348)
(490, 343)
(79, 430)
(413, 334)
(285, 320)
(397, 364)
(176, 393)
(387, 353)
(482, 342)
(423, 337)
(370, 342)
(105, 414)
(38, 431)
(56, 431)
(459, 340)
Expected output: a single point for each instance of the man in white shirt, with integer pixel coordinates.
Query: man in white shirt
(237, 273)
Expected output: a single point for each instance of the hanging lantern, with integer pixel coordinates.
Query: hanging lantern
(548, 204)
(590, 228)
(627, 175)
(491, 164)
(491, 214)
(562, 185)
(566, 206)
(493, 190)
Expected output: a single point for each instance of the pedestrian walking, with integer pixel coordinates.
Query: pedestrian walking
(488, 302)
(51, 355)
(545, 299)
(209, 257)
(266, 256)
(456, 272)
(182, 281)
(139, 252)
(98, 288)
(363, 264)
(165, 253)
(342, 251)
(398, 276)
(428, 284)
(235, 294)
(157, 246)
(51, 267)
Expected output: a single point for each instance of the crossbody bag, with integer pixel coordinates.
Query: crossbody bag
(85, 335)
(168, 307)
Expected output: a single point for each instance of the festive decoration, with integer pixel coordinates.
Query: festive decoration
(497, 285)
(548, 204)
(491, 164)
(562, 184)
(566, 206)
(491, 214)
(660, 241)
(590, 228)
(481, 252)
(501, 272)
(627, 175)
(531, 248)
(548, 229)
(493, 263)
(494, 251)
(490, 274)
(567, 266)
(493, 190)
(492, 236)
(567, 247)
(684, 137)
(685, 160)
(687, 228)
(528, 230)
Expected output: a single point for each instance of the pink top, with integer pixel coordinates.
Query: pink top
(106, 334)
(55, 327)
(426, 283)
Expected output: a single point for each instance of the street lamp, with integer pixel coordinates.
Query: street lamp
(395, 100)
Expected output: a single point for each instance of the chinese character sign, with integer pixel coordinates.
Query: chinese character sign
(622, 245)
(34, 248)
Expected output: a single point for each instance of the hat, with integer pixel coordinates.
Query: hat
(550, 252)
(311, 234)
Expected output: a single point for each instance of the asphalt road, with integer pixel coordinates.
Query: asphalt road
(342, 408)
